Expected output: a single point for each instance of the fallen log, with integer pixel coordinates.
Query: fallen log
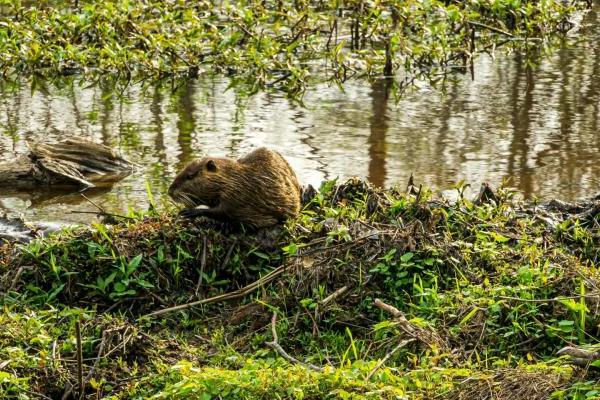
(582, 357)
(73, 162)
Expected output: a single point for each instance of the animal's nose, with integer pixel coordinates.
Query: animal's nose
(171, 191)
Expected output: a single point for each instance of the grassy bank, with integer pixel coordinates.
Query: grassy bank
(283, 45)
(461, 300)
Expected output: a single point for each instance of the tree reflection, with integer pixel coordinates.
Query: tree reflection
(379, 125)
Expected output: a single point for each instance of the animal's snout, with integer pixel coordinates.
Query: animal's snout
(171, 190)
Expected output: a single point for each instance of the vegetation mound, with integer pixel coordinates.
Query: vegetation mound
(369, 293)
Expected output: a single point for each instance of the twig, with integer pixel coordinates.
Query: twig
(426, 336)
(580, 357)
(390, 309)
(157, 298)
(40, 395)
(226, 296)
(333, 26)
(228, 255)
(281, 78)
(202, 264)
(275, 346)
(293, 28)
(478, 340)
(333, 296)
(491, 28)
(354, 242)
(105, 214)
(98, 357)
(418, 197)
(242, 27)
(186, 62)
(388, 356)
(54, 353)
(79, 359)
(93, 203)
(68, 391)
(588, 296)
(15, 279)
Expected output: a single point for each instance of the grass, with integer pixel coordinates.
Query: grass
(270, 45)
(485, 295)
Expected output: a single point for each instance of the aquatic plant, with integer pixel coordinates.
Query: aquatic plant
(267, 45)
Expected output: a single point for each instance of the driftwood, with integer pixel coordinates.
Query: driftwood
(579, 356)
(73, 162)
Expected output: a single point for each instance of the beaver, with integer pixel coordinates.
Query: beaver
(259, 190)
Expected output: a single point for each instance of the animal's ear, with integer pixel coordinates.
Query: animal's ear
(211, 166)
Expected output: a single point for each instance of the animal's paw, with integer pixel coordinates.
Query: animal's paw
(190, 213)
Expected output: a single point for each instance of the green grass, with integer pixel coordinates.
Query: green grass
(488, 293)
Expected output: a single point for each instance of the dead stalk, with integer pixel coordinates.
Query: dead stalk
(227, 296)
(80, 383)
(277, 347)
(388, 356)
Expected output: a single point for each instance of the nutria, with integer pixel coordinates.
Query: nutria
(258, 190)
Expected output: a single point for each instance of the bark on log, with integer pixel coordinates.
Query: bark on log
(75, 162)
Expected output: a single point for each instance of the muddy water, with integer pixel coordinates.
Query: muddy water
(536, 126)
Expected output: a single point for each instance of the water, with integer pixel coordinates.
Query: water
(537, 127)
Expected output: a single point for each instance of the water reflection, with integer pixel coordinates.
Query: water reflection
(380, 95)
(536, 126)
(521, 99)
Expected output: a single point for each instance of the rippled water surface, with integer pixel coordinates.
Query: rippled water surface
(536, 126)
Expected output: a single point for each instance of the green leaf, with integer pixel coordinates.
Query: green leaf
(499, 238)
(574, 305)
(384, 325)
(109, 279)
(291, 249)
(262, 255)
(469, 316)
(119, 287)
(55, 292)
(406, 257)
(5, 377)
(566, 322)
(129, 292)
(145, 284)
(133, 264)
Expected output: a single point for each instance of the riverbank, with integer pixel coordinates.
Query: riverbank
(471, 299)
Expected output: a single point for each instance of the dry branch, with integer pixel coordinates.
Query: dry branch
(333, 296)
(227, 296)
(388, 356)
(80, 382)
(579, 356)
(426, 336)
(277, 347)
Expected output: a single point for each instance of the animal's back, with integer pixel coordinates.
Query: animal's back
(268, 190)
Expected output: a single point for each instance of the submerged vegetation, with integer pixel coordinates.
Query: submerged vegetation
(367, 294)
(262, 45)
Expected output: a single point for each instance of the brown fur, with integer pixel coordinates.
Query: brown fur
(259, 189)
